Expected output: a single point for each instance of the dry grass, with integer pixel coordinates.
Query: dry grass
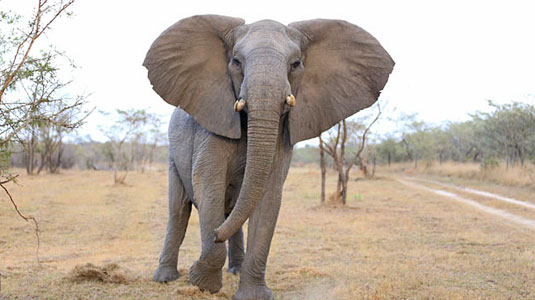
(390, 242)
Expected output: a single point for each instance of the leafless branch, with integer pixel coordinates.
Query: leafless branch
(26, 218)
(363, 140)
(48, 118)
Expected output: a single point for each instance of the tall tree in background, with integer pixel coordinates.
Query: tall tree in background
(389, 149)
(510, 128)
(505, 133)
(414, 137)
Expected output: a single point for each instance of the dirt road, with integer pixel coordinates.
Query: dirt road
(423, 184)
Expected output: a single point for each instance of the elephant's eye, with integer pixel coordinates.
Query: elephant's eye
(236, 62)
(296, 64)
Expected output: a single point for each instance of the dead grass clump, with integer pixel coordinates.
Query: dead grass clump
(335, 199)
(108, 274)
(189, 291)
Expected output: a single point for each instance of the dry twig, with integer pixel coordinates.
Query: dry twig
(26, 218)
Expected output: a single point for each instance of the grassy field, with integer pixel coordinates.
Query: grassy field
(391, 242)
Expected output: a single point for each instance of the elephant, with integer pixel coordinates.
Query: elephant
(245, 94)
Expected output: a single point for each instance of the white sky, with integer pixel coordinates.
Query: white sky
(450, 56)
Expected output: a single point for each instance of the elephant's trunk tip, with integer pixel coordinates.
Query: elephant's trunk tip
(218, 237)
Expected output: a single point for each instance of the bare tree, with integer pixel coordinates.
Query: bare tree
(129, 129)
(335, 147)
(149, 142)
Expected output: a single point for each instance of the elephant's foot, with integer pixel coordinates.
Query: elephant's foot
(206, 277)
(234, 270)
(252, 292)
(166, 274)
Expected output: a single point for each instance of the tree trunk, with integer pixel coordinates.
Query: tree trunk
(338, 186)
(56, 163)
(115, 163)
(363, 168)
(43, 162)
(374, 164)
(341, 185)
(343, 192)
(323, 171)
(30, 149)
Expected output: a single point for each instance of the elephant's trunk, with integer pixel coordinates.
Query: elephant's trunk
(262, 133)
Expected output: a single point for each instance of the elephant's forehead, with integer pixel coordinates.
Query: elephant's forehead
(266, 34)
(267, 25)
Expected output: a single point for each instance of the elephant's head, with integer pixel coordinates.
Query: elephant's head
(315, 72)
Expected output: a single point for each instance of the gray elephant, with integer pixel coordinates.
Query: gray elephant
(246, 94)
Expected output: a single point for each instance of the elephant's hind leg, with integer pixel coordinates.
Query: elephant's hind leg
(179, 212)
(236, 252)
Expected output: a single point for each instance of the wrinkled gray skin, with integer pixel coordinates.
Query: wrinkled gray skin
(232, 165)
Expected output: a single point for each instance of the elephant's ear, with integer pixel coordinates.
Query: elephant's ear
(187, 67)
(345, 70)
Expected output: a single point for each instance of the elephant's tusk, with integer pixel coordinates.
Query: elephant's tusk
(239, 104)
(290, 100)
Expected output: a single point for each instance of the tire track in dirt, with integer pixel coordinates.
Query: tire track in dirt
(476, 192)
(494, 211)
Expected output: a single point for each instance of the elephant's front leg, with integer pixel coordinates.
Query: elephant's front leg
(260, 231)
(206, 272)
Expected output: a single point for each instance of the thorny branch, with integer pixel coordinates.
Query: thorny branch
(35, 32)
(26, 218)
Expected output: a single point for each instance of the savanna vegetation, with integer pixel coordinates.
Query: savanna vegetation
(100, 207)
(496, 146)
